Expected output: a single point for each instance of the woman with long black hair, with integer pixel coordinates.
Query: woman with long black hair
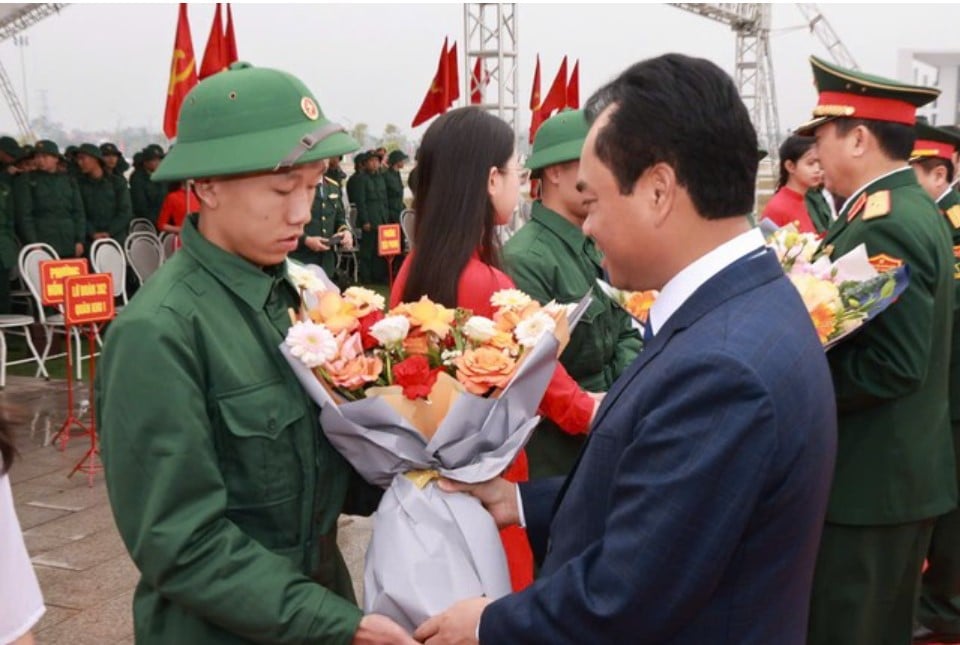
(799, 172)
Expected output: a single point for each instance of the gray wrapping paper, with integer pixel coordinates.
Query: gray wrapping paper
(430, 548)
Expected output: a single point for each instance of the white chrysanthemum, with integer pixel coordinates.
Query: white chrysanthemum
(479, 329)
(554, 308)
(510, 298)
(305, 279)
(391, 330)
(530, 330)
(362, 296)
(312, 343)
(447, 356)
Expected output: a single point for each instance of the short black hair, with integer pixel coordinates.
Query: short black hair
(895, 139)
(684, 112)
(929, 164)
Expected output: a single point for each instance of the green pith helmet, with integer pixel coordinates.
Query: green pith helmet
(250, 119)
(10, 146)
(396, 156)
(846, 93)
(559, 139)
(152, 151)
(46, 147)
(90, 149)
(110, 149)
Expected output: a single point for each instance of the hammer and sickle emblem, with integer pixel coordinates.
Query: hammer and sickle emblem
(175, 78)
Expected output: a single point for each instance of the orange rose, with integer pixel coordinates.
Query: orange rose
(504, 340)
(824, 320)
(638, 303)
(335, 313)
(351, 369)
(416, 343)
(484, 368)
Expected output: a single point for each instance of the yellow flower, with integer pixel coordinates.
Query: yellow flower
(430, 317)
(335, 313)
(638, 303)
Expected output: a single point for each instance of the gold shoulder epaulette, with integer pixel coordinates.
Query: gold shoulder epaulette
(878, 205)
(953, 214)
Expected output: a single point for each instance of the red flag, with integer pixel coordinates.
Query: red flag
(183, 73)
(436, 100)
(453, 76)
(573, 87)
(215, 55)
(557, 96)
(479, 79)
(535, 119)
(230, 39)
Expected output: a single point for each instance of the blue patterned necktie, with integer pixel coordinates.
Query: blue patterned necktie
(647, 331)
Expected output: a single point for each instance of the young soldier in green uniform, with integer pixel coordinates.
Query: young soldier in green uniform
(223, 487)
(550, 258)
(371, 203)
(9, 151)
(106, 200)
(146, 195)
(895, 467)
(48, 205)
(938, 612)
(328, 218)
(113, 159)
(394, 185)
(334, 171)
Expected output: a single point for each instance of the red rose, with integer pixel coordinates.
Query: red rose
(368, 321)
(415, 377)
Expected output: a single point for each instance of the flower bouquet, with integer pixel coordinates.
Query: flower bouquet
(635, 303)
(840, 295)
(422, 392)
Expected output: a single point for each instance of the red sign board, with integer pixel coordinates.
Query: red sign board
(52, 275)
(388, 239)
(88, 299)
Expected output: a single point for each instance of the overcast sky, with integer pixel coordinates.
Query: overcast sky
(98, 66)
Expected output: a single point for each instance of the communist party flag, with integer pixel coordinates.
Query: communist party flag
(557, 95)
(183, 73)
(478, 79)
(230, 39)
(215, 55)
(437, 98)
(573, 87)
(535, 119)
(453, 76)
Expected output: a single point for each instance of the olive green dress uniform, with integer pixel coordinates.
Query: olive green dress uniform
(371, 203)
(820, 213)
(551, 259)
(327, 217)
(50, 210)
(224, 489)
(895, 462)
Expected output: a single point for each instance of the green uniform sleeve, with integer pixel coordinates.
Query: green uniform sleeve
(535, 278)
(888, 358)
(170, 500)
(628, 340)
(23, 204)
(360, 200)
(121, 221)
(138, 197)
(79, 216)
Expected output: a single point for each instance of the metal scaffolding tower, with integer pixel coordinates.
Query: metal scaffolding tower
(820, 28)
(490, 34)
(754, 67)
(15, 18)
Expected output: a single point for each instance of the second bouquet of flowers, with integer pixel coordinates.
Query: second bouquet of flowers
(422, 392)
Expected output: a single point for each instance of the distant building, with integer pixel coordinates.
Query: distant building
(936, 69)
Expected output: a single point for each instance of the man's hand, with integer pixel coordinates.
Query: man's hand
(316, 243)
(456, 626)
(498, 496)
(347, 240)
(598, 401)
(375, 629)
(78, 250)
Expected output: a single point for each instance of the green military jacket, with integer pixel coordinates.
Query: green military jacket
(327, 217)
(895, 459)
(49, 210)
(336, 174)
(949, 204)
(820, 214)
(106, 203)
(550, 259)
(146, 196)
(371, 200)
(8, 246)
(394, 186)
(224, 489)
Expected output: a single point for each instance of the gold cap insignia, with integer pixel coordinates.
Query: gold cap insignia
(310, 109)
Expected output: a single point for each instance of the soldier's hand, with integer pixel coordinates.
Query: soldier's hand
(347, 240)
(78, 249)
(367, 227)
(375, 629)
(317, 243)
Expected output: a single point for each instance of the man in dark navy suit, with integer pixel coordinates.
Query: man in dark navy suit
(694, 512)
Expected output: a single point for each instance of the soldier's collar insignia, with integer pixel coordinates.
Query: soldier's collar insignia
(856, 207)
(884, 262)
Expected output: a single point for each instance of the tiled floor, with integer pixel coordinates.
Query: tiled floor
(84, 571)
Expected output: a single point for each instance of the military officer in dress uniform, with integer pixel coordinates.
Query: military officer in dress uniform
(938, 612)
(146, 195)
(9, 151)
(224, 489)
(326, 229)
(895, 470)
(550, 258)
(372, 212)
(394, 184)
(48, 204)
(106, 199)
